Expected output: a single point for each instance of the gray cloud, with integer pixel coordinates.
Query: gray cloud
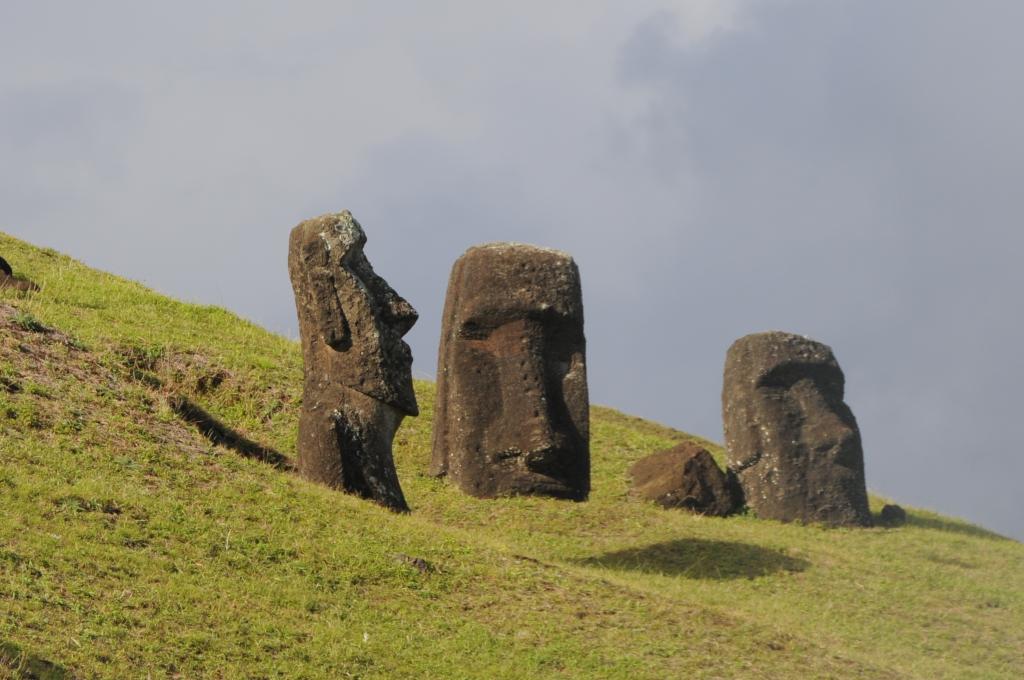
(856, 167)
(841, 169)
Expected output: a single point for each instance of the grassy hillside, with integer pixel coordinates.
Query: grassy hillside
(130, 546)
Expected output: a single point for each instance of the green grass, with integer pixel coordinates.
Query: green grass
(132, 547)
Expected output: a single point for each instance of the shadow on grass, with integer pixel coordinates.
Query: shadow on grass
(701, 559)
(953, 526)
(28, 667)
(222, 435)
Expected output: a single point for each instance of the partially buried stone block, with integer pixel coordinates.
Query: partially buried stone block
(792, 440)
(358, 379)
(512, 412)
(687, 477)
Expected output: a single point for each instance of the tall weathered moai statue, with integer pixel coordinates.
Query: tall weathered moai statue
(512, 413)
(358, 378)
(791, 439)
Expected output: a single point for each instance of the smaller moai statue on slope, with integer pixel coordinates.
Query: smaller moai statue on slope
(511, 415)
(791, 439)
(358, 378)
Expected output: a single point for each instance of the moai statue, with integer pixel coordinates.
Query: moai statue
(792, 440)
(512, 413)
(358, 379)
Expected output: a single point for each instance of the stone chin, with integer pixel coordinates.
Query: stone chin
(400, 393)
(405, 397)
(518, 473)
(392, 385)
(548, 471)
(534, 484)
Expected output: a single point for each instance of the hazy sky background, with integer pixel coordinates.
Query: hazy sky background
(847, 169)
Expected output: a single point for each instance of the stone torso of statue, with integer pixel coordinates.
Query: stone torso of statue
(511, 415)
(358, 379)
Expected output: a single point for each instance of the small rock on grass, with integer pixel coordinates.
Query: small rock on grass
(893, 516)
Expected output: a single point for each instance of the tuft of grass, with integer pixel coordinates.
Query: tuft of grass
(27, 322)
(134, 546)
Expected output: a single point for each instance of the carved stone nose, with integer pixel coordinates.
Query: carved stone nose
(402, 314)
(527, 398)
(538, 428)
(824, 427)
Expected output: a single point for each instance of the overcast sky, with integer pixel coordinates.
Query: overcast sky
(846, 169)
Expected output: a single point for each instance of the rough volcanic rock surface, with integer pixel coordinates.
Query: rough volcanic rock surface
(512, 411)
(792, 440)
(685, 476)
(358, 379)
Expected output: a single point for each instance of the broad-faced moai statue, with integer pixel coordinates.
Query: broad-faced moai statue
(358, 379)
(792, 440)
(512, 413)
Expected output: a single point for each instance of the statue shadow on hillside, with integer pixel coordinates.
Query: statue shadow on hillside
(220, 434)
(952, 526)
(700, 559)
(24, 665)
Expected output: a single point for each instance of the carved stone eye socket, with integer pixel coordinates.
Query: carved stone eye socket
(472, 330)
(786, 375)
